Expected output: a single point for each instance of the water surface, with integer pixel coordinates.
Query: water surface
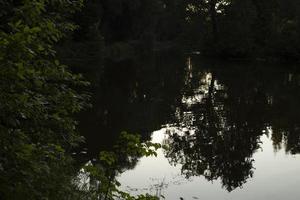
(232, 128)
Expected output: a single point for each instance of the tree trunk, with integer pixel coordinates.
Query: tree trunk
(213, 16)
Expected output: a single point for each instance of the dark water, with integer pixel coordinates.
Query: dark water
(233, 129)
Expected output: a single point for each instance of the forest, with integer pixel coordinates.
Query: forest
(46, 46)
(247, 29)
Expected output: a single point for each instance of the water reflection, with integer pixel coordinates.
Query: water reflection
(214, 114)
(223, 114)
(134, 95)
(275, 177)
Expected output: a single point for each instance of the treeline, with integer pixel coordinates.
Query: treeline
(223, 28)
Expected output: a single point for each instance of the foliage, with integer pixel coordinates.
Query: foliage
(245, 28)
(37, 101)
(39, 98)
(103, 183)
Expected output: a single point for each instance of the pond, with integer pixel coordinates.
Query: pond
(232, 128)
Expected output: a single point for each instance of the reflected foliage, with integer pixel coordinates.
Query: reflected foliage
(216, 112)
(224, 113)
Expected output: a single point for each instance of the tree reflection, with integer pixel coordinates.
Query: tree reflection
(220, 113)
(285, 114)
(222, 117)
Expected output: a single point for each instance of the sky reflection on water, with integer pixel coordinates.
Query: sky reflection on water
(276, 177)
(233, 129)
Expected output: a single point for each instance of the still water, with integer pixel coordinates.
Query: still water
(232, 129)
